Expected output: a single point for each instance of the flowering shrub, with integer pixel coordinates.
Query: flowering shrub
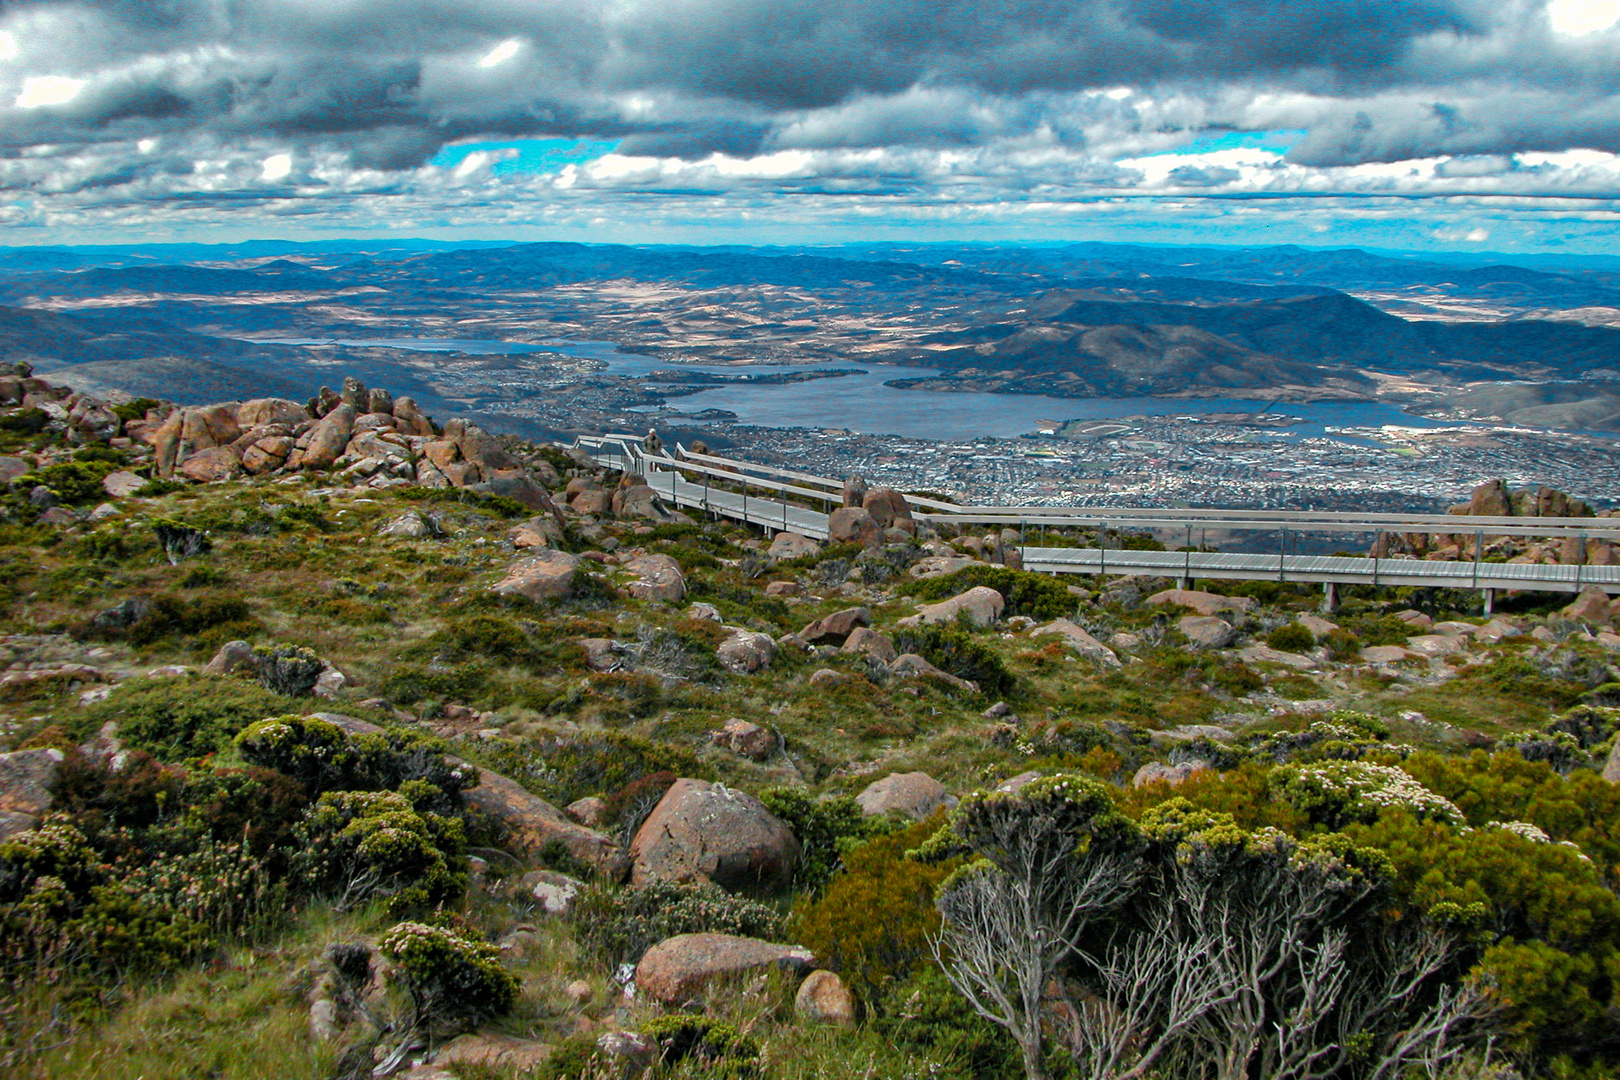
(218, 886)
(356, 845)
(454, 982)
(616, 925)
(1338, 793)
(323, 757)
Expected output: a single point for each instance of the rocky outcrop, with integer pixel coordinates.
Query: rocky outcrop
(708, 832)
(1206, 631)
(677, 969)
(889, 509)
(790, 545)
(747, 739)
(1494, 498)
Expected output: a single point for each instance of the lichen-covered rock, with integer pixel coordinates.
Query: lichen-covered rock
(262, 411)
(824, 999)
(28, 779)
(1078, 639)
(530, 823)
(746, 651)
(864, 641)
(1204, 603)
(657, 577)
(853, 525)
(981, 605)
(747, 739)
(889, 509)
(1206, 631)
(791, 545)
(708, 832)
(215, 463)
(544, 575)
(914, 794)
(912, 666)
(324, 443)
(835, 628)
(677, 969)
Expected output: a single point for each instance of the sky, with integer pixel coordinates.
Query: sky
(1416, 124)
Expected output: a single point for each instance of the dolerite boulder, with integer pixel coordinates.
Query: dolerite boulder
(889, 509)
(747, 739)
(915, 795)
(1206, 631)
(657, 577)
(214, 463)
(545, 575)
(1080, 640)
(324, 443)
(531, 823)
(981, 604)
(824, 999)
(853, 525)
(864, 641)
(707, 832)
(27, 780)
(835, 628)
(1204, 603)
(677, 969)
(641, 501)
(262, 411)
(790, 545)
(746, 651)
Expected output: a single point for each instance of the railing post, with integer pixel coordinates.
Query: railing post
(1102, 551)
(1479, 553)
(1282, 552)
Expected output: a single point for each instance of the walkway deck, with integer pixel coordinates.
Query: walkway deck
(802, 502)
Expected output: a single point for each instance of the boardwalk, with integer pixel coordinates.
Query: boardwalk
(782, 499)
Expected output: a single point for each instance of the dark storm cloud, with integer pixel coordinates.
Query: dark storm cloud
(312, 68)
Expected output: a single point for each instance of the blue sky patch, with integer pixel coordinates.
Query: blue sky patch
(533, 155)
(1277, 141)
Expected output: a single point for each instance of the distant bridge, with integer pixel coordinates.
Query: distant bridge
(784, 499)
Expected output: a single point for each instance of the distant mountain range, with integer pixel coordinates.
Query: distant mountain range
(1079, 320)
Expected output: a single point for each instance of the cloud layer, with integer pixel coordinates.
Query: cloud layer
(135, 114)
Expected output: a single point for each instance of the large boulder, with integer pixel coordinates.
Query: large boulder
(790, 545)
(707, 832)
(520, 487)
(864, 641)
(27, 779)
(1592, 605)
(210, 425)
(914, 794)
(835, 628)
(214, 463)
(262, 411)
(1206, 631)
(889, 509)
(531, 824)
(479, 448)
(324, 443)
(1079, 639)
(912, 666)
(746, 651)
(853, 525)
(1204, 603)
(657, 577)
(641, 501)
(1491, 499)
(824, 999)
(676, 969)
(747, 739)
(981, 604)
(545, 575)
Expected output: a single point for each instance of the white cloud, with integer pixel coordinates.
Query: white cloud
(38, 90)
(501, 53)
(8, 45)
(276, 167)
(1577, 18)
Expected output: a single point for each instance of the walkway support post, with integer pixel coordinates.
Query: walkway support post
(1488, 601)
(1330, 597)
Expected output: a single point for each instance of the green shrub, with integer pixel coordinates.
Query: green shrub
(873, 921)
(454, 982)
(1038, 596)
(1343, 647)
(136, 409)
(824, 829)
(716, 1047)
(925, 1014)
(323, 757)
(178, 718)
(615, 926)
(75, 482)
(408, 684)
(499, 505)
(25, 421)
(355, 846)
(957, 653)
(219, 886)
(172, 616)
(1291, 637)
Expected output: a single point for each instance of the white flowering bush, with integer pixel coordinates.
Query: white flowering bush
(219, 886)
(1340, 792)
(454, 982)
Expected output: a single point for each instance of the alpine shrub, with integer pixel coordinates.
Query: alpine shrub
(615, 926)
(356, 845)
(454, 983)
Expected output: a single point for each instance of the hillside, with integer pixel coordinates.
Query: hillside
(342, 742)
